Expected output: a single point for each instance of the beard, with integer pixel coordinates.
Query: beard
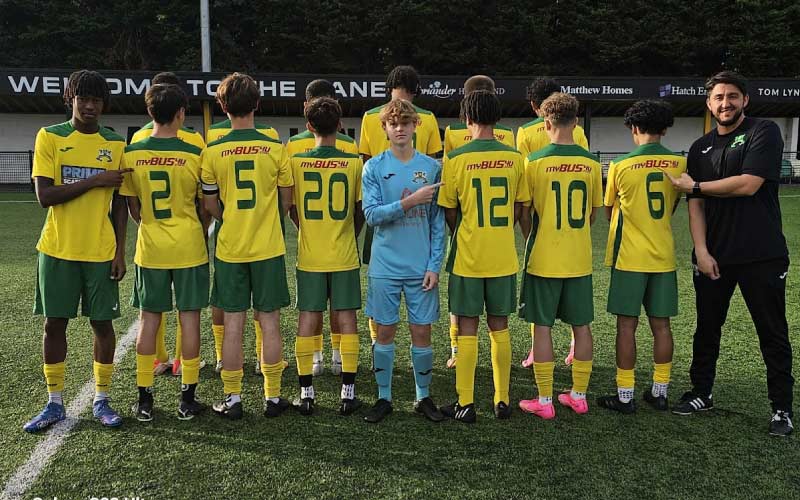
(732, 120)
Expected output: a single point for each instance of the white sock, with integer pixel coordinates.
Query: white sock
(545, 400)
(625, 394)
(234, 398)
(336, 356)
(55, 397)
(307, 392)
(348, 391)
(659, 390)
(577, 395)
(99, 396)
(273, 400)
(317, 357)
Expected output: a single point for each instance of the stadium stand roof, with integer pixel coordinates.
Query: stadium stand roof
(40, 90)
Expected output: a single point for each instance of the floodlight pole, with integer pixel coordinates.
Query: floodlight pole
(205, 51)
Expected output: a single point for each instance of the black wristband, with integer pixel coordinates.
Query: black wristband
(696, 188)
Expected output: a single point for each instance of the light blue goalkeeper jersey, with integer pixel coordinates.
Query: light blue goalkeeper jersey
(406, 244)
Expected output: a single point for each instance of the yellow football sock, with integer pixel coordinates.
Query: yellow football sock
(373, 330)
(144, 369)
(232, 381)
(581, 371)
(179, 341)
(544, 378)
(102, 376)
(336, 341)
(454, 338)
(465, 369)
(54, 376)
(625, 378)
(161, 343)
(272, 378)
(190, 373)
(349, 351)
(304, 353)
(219, 335)
(533, 327)
(259, 338)
(501, 364)
(317, 342)
(662, 372)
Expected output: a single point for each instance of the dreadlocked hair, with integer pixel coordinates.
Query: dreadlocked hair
(481, 107)
(86, 83)
(323, 113)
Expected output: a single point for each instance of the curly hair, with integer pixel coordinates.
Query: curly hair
(323, 114)
(650, 116)
(399, 111)
(86, 83)
(481, 107)
(560, 108)
(541, 89)
(403, 77)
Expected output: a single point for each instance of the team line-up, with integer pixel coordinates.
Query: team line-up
(174, 187)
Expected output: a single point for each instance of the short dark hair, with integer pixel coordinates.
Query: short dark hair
(165, 77)
(164, 100)
(541, 89)
(650, 116)
(478, 82)
(323, 113)
(403, 77)
(730, 77)
(86, 83)
(481, 107)
(320, 88)
(238, 94)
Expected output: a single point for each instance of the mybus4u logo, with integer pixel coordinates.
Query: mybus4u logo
(570, 167)
(491, 164)
(655, 164)
(162, 162)
(246, 150)
(324, 164)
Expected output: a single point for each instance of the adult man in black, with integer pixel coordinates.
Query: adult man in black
(735, 221)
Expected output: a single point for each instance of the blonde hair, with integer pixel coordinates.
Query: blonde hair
(399, 111)
(560, 108)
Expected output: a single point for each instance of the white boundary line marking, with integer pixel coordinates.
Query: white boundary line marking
(26, 474)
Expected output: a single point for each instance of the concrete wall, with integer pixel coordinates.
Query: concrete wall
(18, 131)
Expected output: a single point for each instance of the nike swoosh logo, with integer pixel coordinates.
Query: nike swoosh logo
(376, 370)
(115, 307)
(706, 150)
(427, 372)
(388, 176)
(64, 150)
(783, 276)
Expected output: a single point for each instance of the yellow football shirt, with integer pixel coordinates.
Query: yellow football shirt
(457, 134)
(220, 129)
(532, 137)
(246, 168)
(483, 179)
(166, 173)
(305, 142)
(327, 186)
(565, 183)
(373, 140)
(79, 229)
(640, 232)
(185, 134)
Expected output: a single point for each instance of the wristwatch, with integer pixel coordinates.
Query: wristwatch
(696, 188)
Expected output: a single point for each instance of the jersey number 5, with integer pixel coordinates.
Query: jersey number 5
(245, 184)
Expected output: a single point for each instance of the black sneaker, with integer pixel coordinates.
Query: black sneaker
(190, 409)
(143, 409)
(464, 414)
(427, 407)
(225, 409)
(502, 411)
(380, 410)
(349, 406)
(692, 403)
(781, 424)
(658, 403)
(272, 409)
(304, 405)
(613, 403)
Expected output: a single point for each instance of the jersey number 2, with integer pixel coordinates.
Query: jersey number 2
(160, 175)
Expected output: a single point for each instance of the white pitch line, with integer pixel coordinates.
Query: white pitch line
(27, 473)
(18, 201)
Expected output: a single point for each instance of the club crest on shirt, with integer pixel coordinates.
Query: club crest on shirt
(420, 177)
(104, 154)
(738, 141)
